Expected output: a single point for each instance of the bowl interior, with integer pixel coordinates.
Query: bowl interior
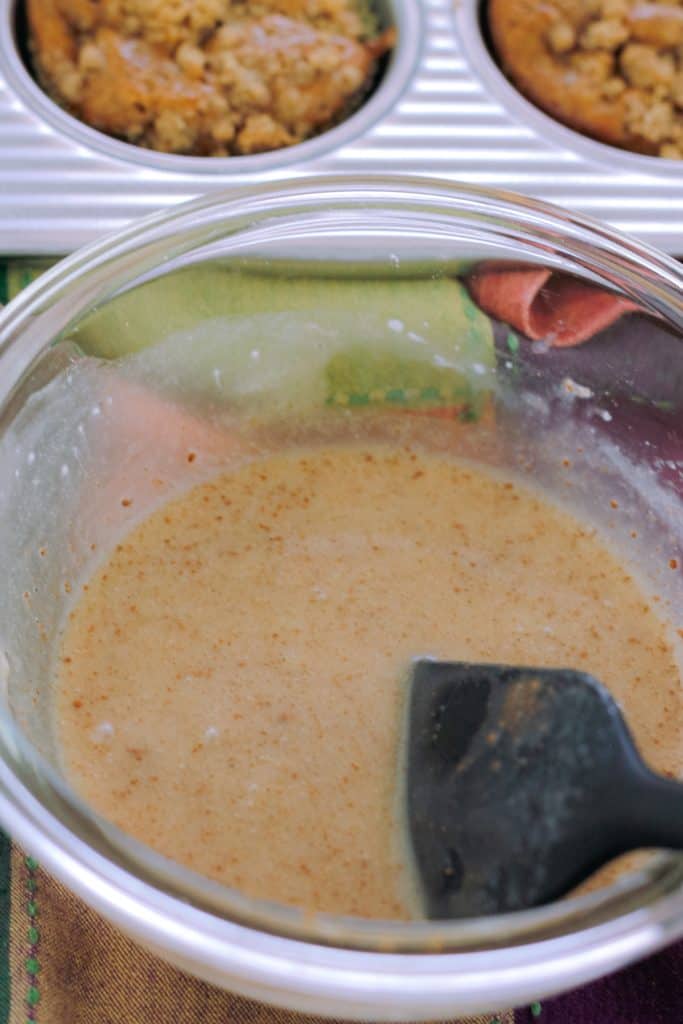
(318, 319)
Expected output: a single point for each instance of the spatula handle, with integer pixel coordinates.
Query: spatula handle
(652, 813)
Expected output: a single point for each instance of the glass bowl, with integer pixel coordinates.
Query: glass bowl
(160, 287)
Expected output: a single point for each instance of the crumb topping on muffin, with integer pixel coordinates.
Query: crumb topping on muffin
(206, 77)
(611, 68)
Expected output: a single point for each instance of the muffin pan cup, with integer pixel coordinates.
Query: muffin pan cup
(442, 108)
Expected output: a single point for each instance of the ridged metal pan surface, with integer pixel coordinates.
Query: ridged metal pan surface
(442, 109)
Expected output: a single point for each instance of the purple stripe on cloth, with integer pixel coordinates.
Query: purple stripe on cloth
(650, 992)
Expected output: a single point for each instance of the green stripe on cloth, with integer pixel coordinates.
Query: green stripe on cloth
(5, 844)
(21, 273)
(16, 274)
(5, 909)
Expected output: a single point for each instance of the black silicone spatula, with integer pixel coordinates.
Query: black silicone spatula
(520, 783)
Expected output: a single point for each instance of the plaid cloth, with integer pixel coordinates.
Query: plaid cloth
(61, 963)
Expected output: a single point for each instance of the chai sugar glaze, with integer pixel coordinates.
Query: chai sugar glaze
(231, 680)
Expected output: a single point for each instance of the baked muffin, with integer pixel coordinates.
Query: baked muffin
(206, 77)
(612, 69)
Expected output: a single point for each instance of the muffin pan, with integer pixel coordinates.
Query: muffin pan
(442, 107)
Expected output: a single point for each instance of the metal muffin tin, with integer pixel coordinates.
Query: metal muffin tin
(442, 108)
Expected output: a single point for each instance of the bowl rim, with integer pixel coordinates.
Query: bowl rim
(303, 968)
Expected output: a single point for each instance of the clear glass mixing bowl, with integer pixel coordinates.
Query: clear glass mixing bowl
(331, 257)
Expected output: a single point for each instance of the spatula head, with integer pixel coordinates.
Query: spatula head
(517, 784)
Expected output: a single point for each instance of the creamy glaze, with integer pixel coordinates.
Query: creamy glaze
(231, 680)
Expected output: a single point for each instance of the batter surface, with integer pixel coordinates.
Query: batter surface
(230, 682)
